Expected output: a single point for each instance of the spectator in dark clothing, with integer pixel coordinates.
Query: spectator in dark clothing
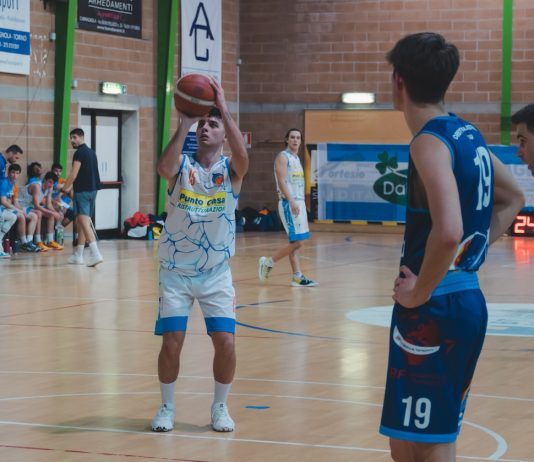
(85, 180)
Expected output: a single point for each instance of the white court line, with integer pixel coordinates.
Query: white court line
(230, 440)
(243, 379)
(502, 446)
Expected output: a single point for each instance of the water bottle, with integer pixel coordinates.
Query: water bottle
(60, 234)
(7, 245)
(149, 234)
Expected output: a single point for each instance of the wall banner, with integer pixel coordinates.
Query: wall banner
(367, 182)
(15, 37)
(201, 37)
(117, 17)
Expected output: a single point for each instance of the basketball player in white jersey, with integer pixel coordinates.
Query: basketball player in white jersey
(289, 177)
(197, 241)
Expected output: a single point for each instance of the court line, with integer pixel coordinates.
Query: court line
(242, 379)
(231, 440)
(502, 446)
(75, 451)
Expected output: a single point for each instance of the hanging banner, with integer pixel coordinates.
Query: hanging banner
(117, 17)
(367, 182)
(15, 36)
(201, 37)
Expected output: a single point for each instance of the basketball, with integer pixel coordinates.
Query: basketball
(194, 95)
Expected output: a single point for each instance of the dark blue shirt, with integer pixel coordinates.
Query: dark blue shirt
(473, 170)
(88, 178)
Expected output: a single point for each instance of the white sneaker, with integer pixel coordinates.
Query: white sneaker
(220, 419)
(76, 259)
(265, 267)
(164, 419)
(94, 260)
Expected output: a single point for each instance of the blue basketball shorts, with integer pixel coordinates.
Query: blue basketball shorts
(214, 291)
(433, 351)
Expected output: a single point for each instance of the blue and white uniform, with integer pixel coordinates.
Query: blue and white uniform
(295, 226)
(195, 245)
(8, 216)
(25, 198)
(434, 348)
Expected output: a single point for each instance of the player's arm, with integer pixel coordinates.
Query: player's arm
(171, 158)
(239, 160)
(6, 202)
(508, 199)
(76, 165)
(432, 160)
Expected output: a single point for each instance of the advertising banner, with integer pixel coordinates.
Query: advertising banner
(367, 182)
(117, 17)
(201, 37)
(15, 37)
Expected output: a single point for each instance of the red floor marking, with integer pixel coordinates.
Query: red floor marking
(136, 456)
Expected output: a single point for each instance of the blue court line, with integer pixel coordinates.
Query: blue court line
(258, 407)
(286, 332)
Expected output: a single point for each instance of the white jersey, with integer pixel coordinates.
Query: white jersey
(199, 231)
(294, 178)
(25, 198)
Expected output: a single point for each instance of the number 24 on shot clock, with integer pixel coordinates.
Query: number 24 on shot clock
(523, 224)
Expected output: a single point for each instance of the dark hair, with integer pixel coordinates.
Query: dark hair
(427, 63)
(51, 176)
(56, 165)
(14, 168)
(215, 112)
(525, 115)
(289, 131)
(15, 149)
(30, 169)
(77, 132)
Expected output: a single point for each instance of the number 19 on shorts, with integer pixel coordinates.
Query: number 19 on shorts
(418, 411)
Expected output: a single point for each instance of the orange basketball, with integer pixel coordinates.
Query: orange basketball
(194, 95)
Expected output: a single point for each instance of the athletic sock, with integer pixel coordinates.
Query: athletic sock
(221, 391)
(49, 237)
(79, 250)
(93, 248)
(167, 393)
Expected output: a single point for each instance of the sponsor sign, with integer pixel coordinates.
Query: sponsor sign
(117, 17)
(15, 36)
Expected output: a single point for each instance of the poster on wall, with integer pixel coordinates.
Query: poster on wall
(368, 182)
(201, 37)
(15, 37)
(201, 46)
(117, 17)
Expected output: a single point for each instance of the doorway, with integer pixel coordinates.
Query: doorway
(103, 133)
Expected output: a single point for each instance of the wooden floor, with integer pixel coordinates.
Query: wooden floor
(78, 359)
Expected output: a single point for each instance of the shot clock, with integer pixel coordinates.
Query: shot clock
(523, 224)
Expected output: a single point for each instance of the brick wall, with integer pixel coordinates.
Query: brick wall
(296, 54)
(304, 53)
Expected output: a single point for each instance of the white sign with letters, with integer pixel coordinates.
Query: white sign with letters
(201, 37)
(15, 36)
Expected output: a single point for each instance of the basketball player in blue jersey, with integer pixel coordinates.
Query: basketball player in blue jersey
(196, 243)
(460, 199)
(289, 177)
(524, 121)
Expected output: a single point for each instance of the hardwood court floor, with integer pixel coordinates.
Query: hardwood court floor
(78, 358)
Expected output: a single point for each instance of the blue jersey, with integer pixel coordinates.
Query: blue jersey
(3, 164)
(473, 170)
(6, 188)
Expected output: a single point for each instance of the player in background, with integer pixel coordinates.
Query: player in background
(524, 122)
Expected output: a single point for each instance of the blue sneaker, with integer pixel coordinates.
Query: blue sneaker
(302, 281)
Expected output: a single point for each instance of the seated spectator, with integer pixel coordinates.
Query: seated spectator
(37, 194)
(26, 219)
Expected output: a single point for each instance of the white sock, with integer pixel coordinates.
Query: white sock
(93, 248)
(38, 238)
(79, 250)
(221, 391)
(49, 237)
(297, 274)
(167, 393)
(24, 239)
(29, 237)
